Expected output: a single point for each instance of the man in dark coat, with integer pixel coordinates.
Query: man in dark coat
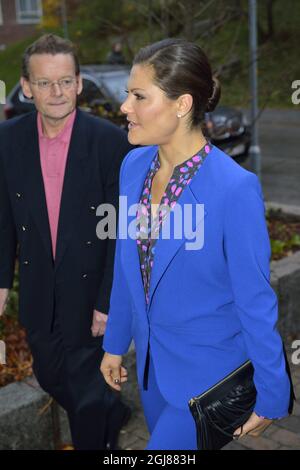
(57, 165)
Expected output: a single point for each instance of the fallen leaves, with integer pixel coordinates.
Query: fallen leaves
(18, 358)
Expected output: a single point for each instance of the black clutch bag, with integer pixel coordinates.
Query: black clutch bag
(223, 408)
(226, 406)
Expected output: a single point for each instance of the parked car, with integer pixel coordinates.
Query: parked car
(229, 129)
(104, 90)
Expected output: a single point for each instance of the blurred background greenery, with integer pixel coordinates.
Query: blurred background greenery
(219, 26)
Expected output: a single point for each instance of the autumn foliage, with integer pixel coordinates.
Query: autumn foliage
(18, 358)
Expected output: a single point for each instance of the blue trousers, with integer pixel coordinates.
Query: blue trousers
(170, 428)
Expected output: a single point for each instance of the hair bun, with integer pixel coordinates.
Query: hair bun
(215, 97)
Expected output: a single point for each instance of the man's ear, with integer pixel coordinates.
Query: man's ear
(26, 87)
(79, 84)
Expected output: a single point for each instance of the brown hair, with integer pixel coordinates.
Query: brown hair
(49, 44)
(182, 67)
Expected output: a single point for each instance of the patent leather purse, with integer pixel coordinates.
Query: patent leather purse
(223, 408)
(226, 406)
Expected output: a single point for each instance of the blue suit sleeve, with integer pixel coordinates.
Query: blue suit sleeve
(247, 249)
(118, 333)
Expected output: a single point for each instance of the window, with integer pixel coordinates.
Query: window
(1, 17)
(29, 11)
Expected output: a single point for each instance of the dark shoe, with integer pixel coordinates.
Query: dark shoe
(118, 417)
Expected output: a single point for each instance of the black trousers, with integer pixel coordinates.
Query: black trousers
(71, 375)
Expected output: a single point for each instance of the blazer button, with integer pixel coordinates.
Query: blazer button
(18, 195)
(84, 276)
(26, 263)
(93, 208)
(23, 228)
(88, 242)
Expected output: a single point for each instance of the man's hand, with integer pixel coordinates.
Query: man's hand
(3, 300)
(254, 426)
(112, 370)
(99, 323)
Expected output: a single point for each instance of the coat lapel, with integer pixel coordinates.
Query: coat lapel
(74, 187)
(33, 180)
(130, 257)
(166, 248)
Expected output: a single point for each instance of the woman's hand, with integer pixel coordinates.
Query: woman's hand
(254, 426)
(114, 374)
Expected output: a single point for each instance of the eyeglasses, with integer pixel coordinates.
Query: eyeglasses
(45, 85)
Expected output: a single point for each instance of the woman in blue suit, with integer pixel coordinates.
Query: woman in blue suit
(191, 283)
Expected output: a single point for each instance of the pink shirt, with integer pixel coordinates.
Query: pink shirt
(53, 155)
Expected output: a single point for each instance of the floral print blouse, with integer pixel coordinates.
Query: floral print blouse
(148, 228)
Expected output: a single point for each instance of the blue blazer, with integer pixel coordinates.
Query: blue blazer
(211, 308)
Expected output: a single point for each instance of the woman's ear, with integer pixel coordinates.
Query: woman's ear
(184, 104)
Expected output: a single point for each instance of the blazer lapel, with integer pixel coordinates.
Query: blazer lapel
(31, 174)
(74, 187)
(130, 257)
(166, 248)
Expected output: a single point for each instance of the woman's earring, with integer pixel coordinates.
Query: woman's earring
(179, 115)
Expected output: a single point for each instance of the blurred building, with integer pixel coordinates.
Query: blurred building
(18, 19)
